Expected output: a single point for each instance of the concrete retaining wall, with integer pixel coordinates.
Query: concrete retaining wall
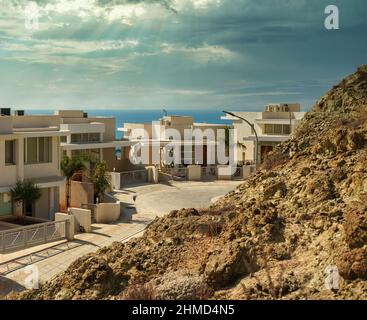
(194, 173)
(70, 231)
(83, 218)
(225, 172)
(107, 212)
(81, 193)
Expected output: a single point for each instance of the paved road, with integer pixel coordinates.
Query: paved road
(147, 201)
(160, 199)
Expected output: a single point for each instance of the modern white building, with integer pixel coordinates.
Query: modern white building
(95, 137)
(273, 125)
(30, 150)
(160, 133)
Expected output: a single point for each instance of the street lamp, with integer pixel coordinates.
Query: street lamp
(290, 118)
(253, 128)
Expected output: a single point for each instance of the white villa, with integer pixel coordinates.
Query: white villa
(93, 136)
(162, 134)
(30, 150)
(273, 125)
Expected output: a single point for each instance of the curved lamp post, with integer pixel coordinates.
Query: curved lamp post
(290, 118)
(253, 128)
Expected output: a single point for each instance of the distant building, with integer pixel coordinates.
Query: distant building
(94, 137)
(161, 134)
(273, 125)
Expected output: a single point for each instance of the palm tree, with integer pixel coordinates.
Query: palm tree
(69, 167)
(26, 192)
(99, 179)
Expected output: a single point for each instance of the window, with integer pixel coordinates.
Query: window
(63, 139)
(76, 138)
(85, 138)
(286, 129)
(45, 148)
(38, 150)
(94, 137)
(10, 152)
(277, 129)
(32, 152)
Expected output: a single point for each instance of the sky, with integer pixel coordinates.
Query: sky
(136, 54)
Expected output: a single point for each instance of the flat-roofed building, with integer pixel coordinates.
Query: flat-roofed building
(159, 132)
(95, 137)
(30, 150)
(273, 125)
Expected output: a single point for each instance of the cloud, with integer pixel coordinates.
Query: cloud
(206, 52)
(165, 3)
(201, 54)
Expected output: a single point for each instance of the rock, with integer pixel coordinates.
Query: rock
(182, 285)
(305, 171)
(353, 264)
(355, 225)
(225, 265)
(277, 188)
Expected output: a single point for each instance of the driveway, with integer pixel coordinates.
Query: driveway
(160, 199)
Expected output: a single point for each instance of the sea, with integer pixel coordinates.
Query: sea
(140, 115)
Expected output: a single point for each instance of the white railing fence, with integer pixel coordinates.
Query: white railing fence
(23, 237)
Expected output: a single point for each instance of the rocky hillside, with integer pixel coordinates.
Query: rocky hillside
(279, 235)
